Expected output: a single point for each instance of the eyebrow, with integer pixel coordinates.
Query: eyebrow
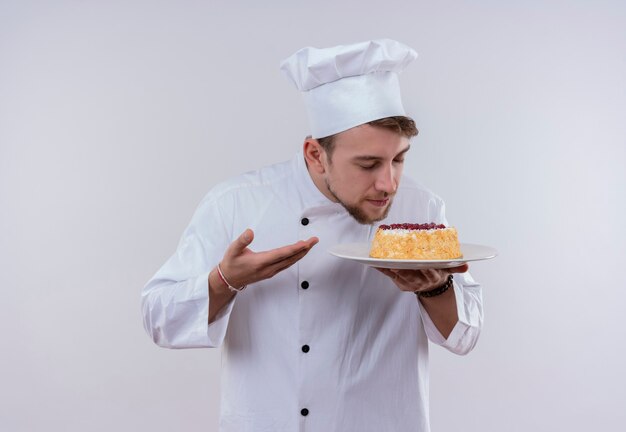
(371, 158)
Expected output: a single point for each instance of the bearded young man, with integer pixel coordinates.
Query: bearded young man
(314, 342)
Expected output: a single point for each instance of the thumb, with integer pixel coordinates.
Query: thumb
(241, 242)
(460, 269)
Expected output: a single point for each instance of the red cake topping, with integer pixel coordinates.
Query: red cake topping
(408, 226)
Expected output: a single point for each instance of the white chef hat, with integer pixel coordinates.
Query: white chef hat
(349, 85)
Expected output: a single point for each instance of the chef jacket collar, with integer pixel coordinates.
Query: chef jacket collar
(311, 196)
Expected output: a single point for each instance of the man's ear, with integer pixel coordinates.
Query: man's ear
(314, 155)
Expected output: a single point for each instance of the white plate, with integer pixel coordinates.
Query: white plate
(359, 252)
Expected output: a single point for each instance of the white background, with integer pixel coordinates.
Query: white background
(117, 117)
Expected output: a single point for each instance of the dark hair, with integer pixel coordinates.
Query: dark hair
(402, 125)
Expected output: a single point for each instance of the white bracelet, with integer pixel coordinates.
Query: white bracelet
(230, 287)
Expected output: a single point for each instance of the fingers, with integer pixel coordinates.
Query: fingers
(420, 279)
(273, 256)
(417, 276)
(284, 264)
(277, 255)
(245, 266)
(287, 262)
(431, 275)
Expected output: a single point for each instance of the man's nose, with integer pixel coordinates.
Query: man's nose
(386, 180)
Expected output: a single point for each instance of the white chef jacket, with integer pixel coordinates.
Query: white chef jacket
(365, 364)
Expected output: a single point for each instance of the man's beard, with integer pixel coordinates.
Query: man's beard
(358, 214)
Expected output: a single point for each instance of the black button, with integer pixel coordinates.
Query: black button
(305, 348)
(304, 412)
(304, 284)
(304, 221)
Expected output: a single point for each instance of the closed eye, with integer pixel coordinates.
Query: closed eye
(368, 167)
(372, 166)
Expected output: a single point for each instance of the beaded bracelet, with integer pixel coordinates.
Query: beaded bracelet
(436, 291)
(223, 278)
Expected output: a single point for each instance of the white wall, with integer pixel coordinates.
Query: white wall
(117, 117)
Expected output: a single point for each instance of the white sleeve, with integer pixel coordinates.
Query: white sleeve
(469, 303)
(175, 302)
(469, 307)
